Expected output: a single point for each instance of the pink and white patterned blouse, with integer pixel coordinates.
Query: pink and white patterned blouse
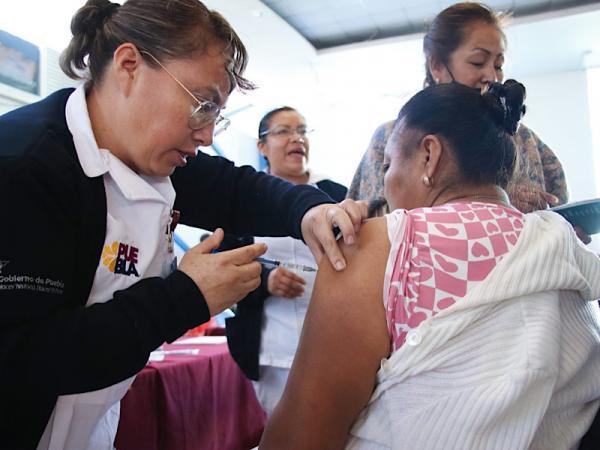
(437, 254)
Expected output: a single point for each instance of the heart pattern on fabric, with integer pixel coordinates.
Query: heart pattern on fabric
(425, 280)
(491, 228)
(425, 274)
(478, 250)
(447, 266)
(445, 302)
(447, 230)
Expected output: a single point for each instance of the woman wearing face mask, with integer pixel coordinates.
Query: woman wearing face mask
(462, 323)
(465, 44)
(264, 334)
(88, 180)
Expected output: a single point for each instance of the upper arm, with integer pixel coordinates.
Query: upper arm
(343, 341)
(212, 192)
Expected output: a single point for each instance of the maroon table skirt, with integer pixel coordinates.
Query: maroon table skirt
(191, 402)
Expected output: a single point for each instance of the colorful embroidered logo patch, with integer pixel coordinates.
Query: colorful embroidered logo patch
(121, 258)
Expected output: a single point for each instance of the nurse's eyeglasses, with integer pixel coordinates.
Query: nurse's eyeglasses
(287, 133)
(202, 115)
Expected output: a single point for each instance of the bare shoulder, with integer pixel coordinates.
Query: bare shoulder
(366, 261)
(343, 341)
(357, 290)
(371, 248)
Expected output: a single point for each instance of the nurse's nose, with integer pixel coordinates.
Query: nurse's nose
(203, 137)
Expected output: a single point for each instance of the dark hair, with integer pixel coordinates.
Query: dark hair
(477, 126)
(448, 31)
(165, 28)
(265, 122)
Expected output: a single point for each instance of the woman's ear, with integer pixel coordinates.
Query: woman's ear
(436, 68)
(262, 148)
(432, 149)
(127, 61)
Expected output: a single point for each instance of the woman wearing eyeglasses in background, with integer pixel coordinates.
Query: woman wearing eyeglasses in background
(263, 335)
(465, 44)
(88, 287)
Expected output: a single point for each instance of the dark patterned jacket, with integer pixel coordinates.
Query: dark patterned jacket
(537, 168)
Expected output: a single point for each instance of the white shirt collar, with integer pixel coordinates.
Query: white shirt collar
(78, 121)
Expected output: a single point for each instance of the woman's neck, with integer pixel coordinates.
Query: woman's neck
(102, 127)
(485, 194)
(295, 179)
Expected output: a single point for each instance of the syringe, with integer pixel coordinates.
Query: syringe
(286, 265)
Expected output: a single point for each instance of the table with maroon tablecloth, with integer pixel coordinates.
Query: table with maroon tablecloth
(191, 402)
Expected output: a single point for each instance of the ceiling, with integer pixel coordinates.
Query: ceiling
(332, 23)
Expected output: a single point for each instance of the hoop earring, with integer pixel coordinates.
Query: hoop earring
(427, 181)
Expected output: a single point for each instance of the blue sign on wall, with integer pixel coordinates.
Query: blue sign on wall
(19, 63)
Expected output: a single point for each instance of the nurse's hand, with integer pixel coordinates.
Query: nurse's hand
(225, 277)
(285, 283)
(317, 228)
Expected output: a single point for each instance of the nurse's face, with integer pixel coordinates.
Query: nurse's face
(161, 138)
(286, 145)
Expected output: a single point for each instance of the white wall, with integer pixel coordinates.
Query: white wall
(558, 112)
(360, 88)
(281, 64)
(593, 82)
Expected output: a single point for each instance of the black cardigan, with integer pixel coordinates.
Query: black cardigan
(51, 240)
(244, 330)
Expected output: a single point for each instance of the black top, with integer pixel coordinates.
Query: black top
(51, 238)
(244, 330)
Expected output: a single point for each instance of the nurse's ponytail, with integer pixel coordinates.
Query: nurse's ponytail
(91, 36)
(167, 29)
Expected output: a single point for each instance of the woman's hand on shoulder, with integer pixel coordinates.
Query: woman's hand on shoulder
(318, 224)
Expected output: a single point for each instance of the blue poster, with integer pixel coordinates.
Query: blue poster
(19, 63)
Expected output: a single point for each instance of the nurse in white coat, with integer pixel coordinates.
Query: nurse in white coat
(284, 142)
